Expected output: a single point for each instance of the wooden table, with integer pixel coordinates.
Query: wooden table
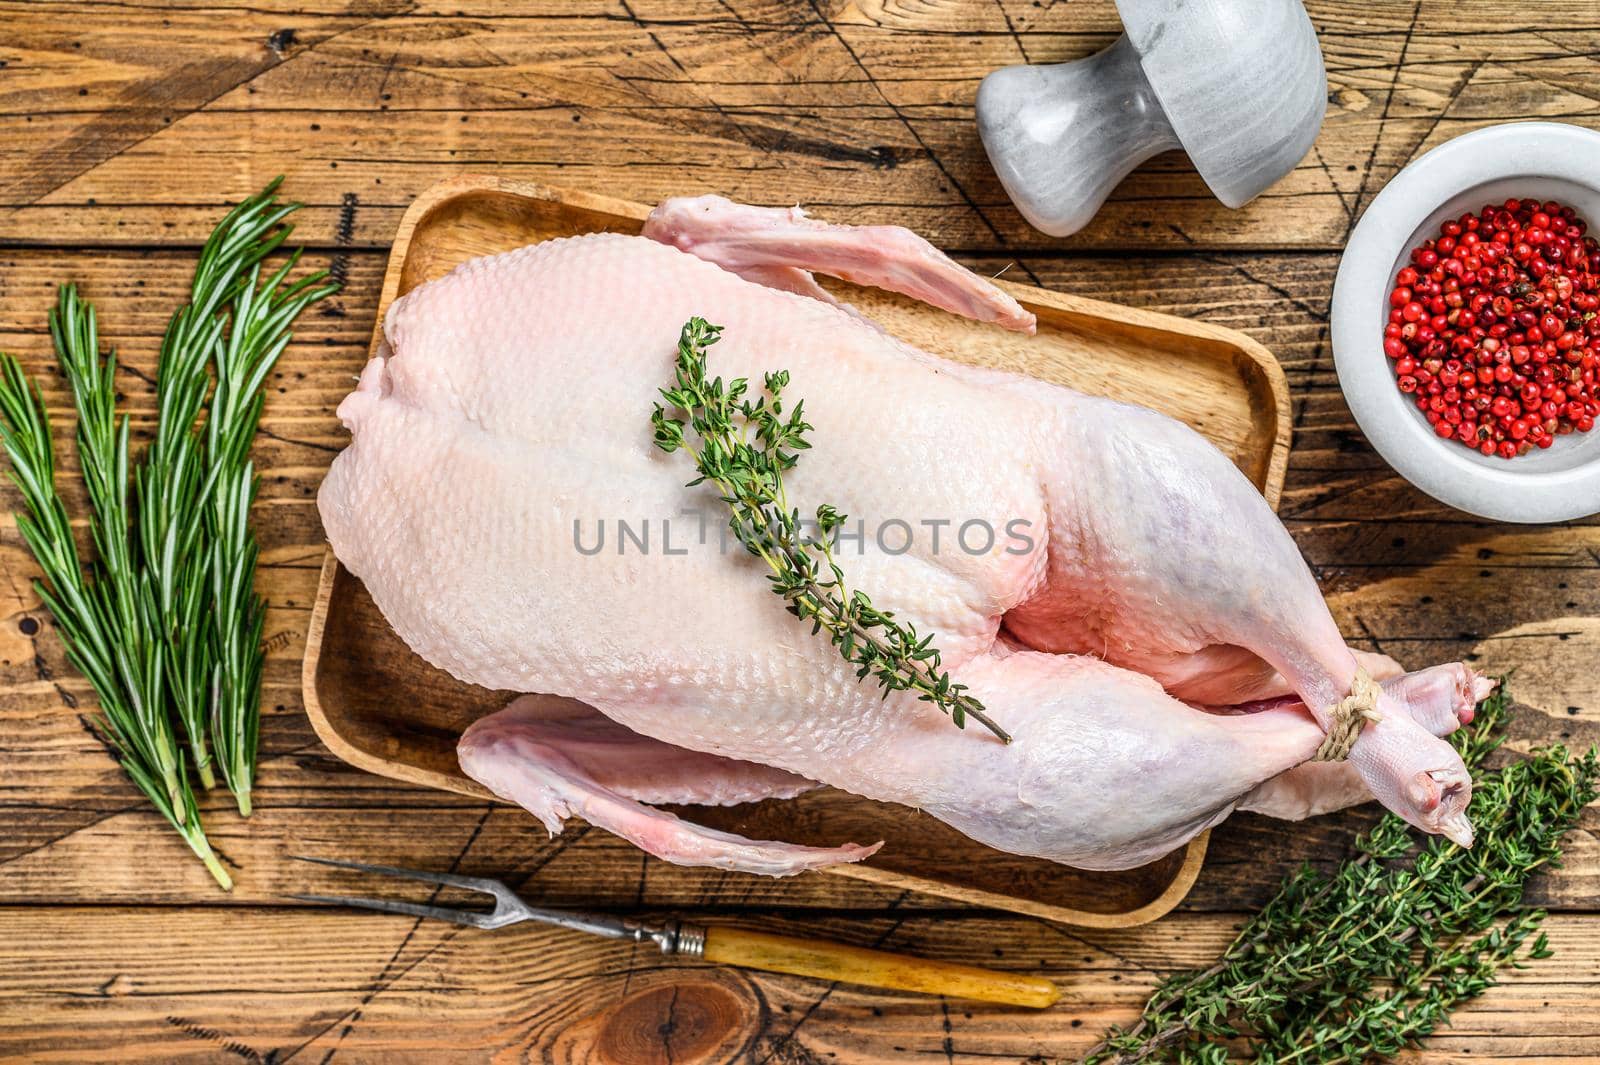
(128, 124)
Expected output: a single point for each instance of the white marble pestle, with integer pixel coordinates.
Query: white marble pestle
(1238, 84)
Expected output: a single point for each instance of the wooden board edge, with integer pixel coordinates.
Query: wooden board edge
(441, 193)
(1264, 366)
(1176, 891)
(329, 733)
(1277, 386)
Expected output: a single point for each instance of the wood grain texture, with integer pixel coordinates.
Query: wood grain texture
(1404, 575)
(126, 124)
(139, 118)
(143, 985)
(829, 962)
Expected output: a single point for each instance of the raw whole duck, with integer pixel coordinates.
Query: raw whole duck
(1157, 647)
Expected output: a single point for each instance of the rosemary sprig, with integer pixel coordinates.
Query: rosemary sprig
(262, 315)
(133, 649)
(89, 613)
(179, 481)
(1338, 968)
(165, 622)
(746, 446)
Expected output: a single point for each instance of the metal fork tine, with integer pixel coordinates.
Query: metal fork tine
(443, 913)
(471, 883)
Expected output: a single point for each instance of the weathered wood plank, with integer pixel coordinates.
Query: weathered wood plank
(1405, 575)
(196, 984)
(129, 122)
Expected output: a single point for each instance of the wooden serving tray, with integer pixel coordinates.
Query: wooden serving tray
(381, 708)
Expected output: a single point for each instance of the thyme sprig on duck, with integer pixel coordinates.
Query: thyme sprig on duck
(1360, 963)
(746, 442)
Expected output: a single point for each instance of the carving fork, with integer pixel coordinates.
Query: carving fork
(721, 944)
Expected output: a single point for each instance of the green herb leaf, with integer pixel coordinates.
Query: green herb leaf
(259, 321)
(101, 617)
(747, 462)
(165, 623)
(1373, 957)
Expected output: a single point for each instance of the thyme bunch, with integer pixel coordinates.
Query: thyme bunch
(746, 444)
(1373, 957)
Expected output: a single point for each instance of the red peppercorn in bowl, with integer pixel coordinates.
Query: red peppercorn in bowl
(1493, 327)
(1466, 322)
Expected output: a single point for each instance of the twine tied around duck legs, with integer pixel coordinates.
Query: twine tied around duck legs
(1347, 718)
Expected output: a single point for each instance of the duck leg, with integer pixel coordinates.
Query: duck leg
(1160, 549)
(1440, 699)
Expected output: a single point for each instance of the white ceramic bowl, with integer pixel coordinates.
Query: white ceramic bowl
(1543, 160)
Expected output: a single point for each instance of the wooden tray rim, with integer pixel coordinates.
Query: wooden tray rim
(469, 184)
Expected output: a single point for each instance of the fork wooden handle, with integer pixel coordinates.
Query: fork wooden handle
(873, 968)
